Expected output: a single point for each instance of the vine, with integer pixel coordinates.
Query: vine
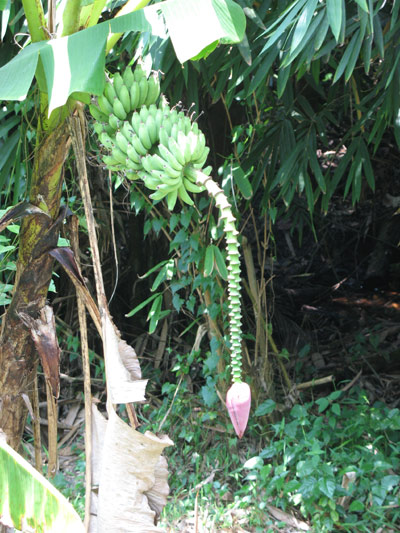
(149, 141)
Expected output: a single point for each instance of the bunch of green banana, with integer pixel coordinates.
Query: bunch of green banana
(124, 94)
(168, 169)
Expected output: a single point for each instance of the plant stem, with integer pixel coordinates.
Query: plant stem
(71, 17)
(36, 20)
(232, 247)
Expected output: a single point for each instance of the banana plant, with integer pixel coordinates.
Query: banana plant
(67, 61)
(147, 140)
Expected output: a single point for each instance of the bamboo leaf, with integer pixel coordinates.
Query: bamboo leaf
(283, 77)
(154, 313)
(321, 34)
(369, 173)
(303, 24)
(307, 40)
(343, 64)
(315, 167)
(363, 4)
(142, 304)
(334, 10)
(357, 182)
(354, 56)
(287, 19)
(378, 36)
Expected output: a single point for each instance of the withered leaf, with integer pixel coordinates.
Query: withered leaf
(43, 331)
(19, 211)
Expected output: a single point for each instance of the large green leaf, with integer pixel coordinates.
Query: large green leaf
(27, 498)
(76, 63)
(193, 25)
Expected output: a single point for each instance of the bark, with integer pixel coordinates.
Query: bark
(39, 233)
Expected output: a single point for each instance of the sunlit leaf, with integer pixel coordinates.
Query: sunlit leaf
(303, 24)
(27, 498)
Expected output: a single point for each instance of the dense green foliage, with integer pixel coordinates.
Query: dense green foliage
(294, 116)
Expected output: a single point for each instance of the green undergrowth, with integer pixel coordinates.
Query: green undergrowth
(333, 462)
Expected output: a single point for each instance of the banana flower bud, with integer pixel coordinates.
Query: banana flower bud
(238, 400)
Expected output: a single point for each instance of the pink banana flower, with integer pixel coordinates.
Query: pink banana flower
(238, 400)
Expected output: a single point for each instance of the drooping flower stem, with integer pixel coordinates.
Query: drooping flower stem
(232, 247)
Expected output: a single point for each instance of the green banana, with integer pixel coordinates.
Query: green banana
(183, 195)
(106, 140)
(192, 187)
(98, 114)
(110, 161)
(104, 105)
(176, 151)
(190, 174)
(121, 141)
(152, 129)
(139, 73)
(184, 143)
(143, 87)
(147, 164)
(134, 94)
(200, 147)
(159, 163)
(127, 130)
(144, 113)
(138, 146)
(195, 128)
(135, 121)
(109, 92)
(132, 175)
(187, 125)
(158, 118)
(125, 98)
(131, 165)
(153, 109)
(119, 155)
(144, 136)
(159, 194)
(118, 82)
(113, 121)
(128, 77)
(97, 126)
(169, 157)
(133, 155)
(118, 109)
(174, 131)
(153, 90)
(152, 182)
(163, 135)
(171, 199)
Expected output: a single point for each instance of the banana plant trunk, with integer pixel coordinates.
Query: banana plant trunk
(38, 234)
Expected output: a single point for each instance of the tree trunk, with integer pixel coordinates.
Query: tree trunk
(39, 233)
